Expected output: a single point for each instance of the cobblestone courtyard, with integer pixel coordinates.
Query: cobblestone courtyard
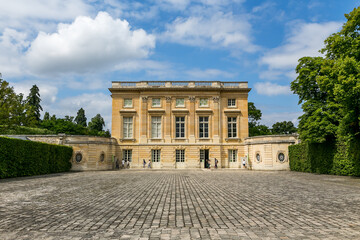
(205, 204)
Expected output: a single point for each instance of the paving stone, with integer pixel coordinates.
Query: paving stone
(188, 204)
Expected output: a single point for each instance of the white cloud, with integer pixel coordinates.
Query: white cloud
(271, 89)
(15, 13)
(12, 43)
(87, 45)
(214, 31)
(209, 74)
(305, 39)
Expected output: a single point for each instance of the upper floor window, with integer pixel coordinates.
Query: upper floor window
(232, 155)
(180, 127)
(155, 155)
(232, 127)
(155, 127)
(180, 102)
(128, 102)
(127, 127)
(180, 155)
(156, 102)
(231, 102)
(203, 127)
(204, 102)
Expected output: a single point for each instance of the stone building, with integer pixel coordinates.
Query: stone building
(182, 124)
(177, 125)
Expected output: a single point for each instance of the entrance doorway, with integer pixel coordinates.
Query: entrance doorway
(204, 155)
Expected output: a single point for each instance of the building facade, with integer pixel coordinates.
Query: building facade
(180, 124)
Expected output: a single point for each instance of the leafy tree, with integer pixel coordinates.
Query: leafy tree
(33, 101)
(329, 86)
(255, 128)
(9, 102)
(81, 118)
(283, 128)
(97, 123)
(69, 118)
(46, 116)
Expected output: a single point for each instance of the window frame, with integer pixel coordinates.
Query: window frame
(203, 127)
(156, 133)
(180, 155)
(180, 127)
(233, 102)
(232, 155)
(155, 155)
(127, 155)
(127, 132)
(155, 105)
(232, 127)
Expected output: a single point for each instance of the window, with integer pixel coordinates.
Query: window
(231, 102)
(281, 157)
(155, 155)
(78, 157)
(155, 127)
(232, 127)
(203, 127)
(180, 155)
(203, 102)
(180, 127)
(232, 155)
(180, 102)
(127, 155)
(128, 127)
(128, 102)
(156, 102)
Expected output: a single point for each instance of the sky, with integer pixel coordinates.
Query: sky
(73, 49)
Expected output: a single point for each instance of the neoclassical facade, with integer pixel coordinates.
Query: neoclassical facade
(180, 124)
(177, 125)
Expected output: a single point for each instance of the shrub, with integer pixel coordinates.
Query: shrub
(298, 158)
(330, 157)
(26, 158)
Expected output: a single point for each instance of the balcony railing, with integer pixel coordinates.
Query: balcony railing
(176, 84)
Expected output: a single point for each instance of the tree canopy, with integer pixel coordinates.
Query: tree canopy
(33, 100)
(81, 118)
(97, 123)
(329, 87)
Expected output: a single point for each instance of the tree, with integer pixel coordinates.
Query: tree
(97, 123)
(46, 116)
(81, 118)
(329, 86)
(255, 128)
(33, 101)
(283, 128)
(9, 102)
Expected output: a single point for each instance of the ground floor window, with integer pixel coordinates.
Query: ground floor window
(127, 155)
(180, 155)
(155, 155)
(232, 155)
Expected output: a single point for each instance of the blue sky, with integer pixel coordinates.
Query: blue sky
(73, 49)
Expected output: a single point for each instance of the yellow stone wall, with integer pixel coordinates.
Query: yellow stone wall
(142, 94)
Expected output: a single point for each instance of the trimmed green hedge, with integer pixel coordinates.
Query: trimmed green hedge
(341, 158)
(26, 158)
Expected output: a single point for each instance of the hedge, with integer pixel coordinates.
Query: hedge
(26, 158)
(340, 158)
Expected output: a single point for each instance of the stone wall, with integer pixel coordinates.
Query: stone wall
(97, 153)
(269, 152)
